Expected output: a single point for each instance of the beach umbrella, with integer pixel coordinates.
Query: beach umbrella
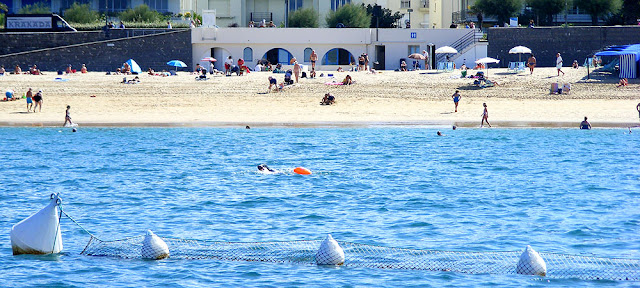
(208, 59)
(446, 50)
(416, 56)
(520, 50)
(487, 60)
(134, 66)
(177, 63)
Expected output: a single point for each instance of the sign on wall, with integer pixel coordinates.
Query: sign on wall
(28, 22)
(414, 35)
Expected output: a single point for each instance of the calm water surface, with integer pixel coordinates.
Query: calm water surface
(558, 190)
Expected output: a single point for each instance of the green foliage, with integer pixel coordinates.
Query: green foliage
(80, 13)
(96, 26)
(141, 13)
(4, 8)
(502, 9)
(545, 9)
(304, 18)
(387, 20)
(350, 15)
(36, 8)
(599, 8)
(197, 17)
(630, 12)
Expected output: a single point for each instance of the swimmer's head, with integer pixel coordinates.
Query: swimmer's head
(454, 127)
(439, 133)
(261, 167)
(74, 130)
(247, 127)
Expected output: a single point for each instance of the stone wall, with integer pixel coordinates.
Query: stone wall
(100, 52)
(574, 43)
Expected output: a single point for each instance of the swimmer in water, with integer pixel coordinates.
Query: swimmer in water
(440, 133)
(585, 124)
(265, 168)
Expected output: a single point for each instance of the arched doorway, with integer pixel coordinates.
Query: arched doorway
(278, 55)
(338, 56)
(220, 54)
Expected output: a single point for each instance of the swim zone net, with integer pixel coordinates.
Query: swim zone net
(371, 256)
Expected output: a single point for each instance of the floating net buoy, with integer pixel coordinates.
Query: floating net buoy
(40, 232)
(153, 247)
(302, 171)
(330, 252)
(531, 263)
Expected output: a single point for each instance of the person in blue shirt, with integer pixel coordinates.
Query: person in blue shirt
(456, 98)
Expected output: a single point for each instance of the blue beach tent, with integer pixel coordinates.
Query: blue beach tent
(629, 56)
(134, 66)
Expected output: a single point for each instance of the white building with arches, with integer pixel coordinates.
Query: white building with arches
(335, 47)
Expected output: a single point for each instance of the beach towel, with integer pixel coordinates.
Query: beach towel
(333, 83)
(61, 79)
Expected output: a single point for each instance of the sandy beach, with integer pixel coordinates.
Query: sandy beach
(388, 97)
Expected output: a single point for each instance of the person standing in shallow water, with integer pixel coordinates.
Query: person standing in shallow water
(485, 116)
(585, 125)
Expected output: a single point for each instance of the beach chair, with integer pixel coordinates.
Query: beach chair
(172, 73)
(441, 66)
(520, 67)
(512, 67)
(589, 63)
(450, 66)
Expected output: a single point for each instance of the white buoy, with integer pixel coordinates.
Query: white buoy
(531, 263)
(153, 247)
(40, 232)
(330, 252)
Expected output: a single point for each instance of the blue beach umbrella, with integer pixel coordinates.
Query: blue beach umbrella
(134, 66)
(177, 63)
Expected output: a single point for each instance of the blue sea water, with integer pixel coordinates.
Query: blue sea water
(558, 190)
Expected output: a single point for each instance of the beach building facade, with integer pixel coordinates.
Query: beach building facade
(335, 48)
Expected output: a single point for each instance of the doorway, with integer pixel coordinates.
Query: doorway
(380, 60)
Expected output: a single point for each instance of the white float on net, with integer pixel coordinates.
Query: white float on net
(531, 263)
(330, 252)
(153, 247)
(40, 232)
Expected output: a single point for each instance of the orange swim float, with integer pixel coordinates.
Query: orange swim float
(302, 171)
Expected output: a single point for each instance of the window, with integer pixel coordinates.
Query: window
(158, 5)
(335, 4)
(338, 56)
(247, 55)
(414, 49)
(295, 5)
(405, 3)
(65, 4)
(114, 5)
(307, 55)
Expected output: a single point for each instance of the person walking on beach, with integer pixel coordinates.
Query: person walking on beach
(313, 58)
(456, 98)
(29, 96)
(38, 100)
(559, 64)
(296, 70)
(532, 63)
(485, 116)
(585, 125)
(67, 117)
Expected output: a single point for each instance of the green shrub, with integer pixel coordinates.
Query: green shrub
(141, 13)
(96, 26)
(350, 15)
(36, 8)
(80, 13)
(304, 18)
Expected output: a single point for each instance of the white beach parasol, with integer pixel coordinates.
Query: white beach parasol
(520, 50)
(487, 60)
(446, 50)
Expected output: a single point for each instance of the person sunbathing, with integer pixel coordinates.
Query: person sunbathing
(403, 66)
(328, 99)
(340, 69)
(83, 69)
(348, 80)
(151, 72)
(68, 71)
(623, 82)
(17, 70)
